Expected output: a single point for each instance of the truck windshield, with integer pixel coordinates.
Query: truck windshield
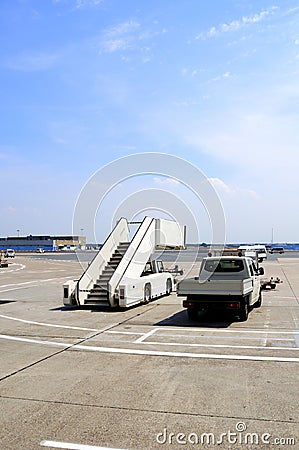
(229, 265)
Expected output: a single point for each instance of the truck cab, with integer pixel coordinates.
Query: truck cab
(153, 267)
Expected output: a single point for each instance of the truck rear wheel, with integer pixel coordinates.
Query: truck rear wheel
(243, 315)
(258, 304)
(168, 286)
(192, 313)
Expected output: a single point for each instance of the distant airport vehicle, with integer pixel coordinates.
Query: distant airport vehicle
(124, 273)
(225, 283)
(254, 251)
(40, 250)
(10, 253)
(276, 250)
(3, 262)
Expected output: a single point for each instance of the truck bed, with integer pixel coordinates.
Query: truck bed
(220, 287)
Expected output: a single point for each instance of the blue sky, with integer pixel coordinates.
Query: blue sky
(84, 82)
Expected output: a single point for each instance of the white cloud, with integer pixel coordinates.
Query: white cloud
(120, 37)
(166, 181)
(222, 187)
(235, 25)
(129, 35)
(80, 4)
(10, 210)
(123, 28)
(113, 45)
(32, 62)
(292, 10)
(222, 76)
(271, 141)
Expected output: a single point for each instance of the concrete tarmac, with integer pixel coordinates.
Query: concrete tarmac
(147, 377)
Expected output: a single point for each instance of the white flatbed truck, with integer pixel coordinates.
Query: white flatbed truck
(225, 283)
(124, 273)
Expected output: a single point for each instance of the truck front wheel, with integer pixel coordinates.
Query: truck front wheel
(147, 293)
(192, 313)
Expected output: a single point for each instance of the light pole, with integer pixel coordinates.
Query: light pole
(81, 240)
(18, 231)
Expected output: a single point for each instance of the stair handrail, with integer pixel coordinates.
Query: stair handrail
(120, 233)
(129, 256)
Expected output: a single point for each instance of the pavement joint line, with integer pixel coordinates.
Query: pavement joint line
(52, 344)
(117, 350)
(154, 411)
(71, 446)
(66, 346)
(288, 281)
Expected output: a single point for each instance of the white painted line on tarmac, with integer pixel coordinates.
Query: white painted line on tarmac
(71, 446)
(18, 288)
(211, 336)
(145, 336)
(33, 281)
(31, 322)
(34, 341)
(31, 272)
(136, 333)
(28, 284)
(18, 284)
(22, 266)
(296, 339)
(129, 351)
(226, 330)
(220, 345)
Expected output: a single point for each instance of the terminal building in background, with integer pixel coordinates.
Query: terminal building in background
(46, 243)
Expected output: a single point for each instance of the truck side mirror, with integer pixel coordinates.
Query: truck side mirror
(261, 271)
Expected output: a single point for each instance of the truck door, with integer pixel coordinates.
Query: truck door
(159, 265)
(256, 282)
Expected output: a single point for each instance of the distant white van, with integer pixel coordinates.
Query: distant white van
(10, 253)
(254, 251)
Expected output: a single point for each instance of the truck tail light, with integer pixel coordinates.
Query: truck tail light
(121, 293)
(234, 305)
(187, 304)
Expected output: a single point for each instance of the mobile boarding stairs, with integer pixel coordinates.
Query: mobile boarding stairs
(122, 272)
